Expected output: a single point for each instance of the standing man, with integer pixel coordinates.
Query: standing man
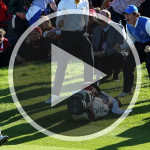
(17, 7)
(74, 41)
(138, 29)
(117, 8)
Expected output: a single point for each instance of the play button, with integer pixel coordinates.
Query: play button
(58, 54)
(32, 83)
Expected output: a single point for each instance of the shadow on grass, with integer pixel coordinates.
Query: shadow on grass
(4, 92)
(21, 87)
(141, 109)
(6, 99)
(21, 134)
(138, 135)
(10, 116)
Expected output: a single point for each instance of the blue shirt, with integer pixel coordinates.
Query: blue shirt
(139, 32)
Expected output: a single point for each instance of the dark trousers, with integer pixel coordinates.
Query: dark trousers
(20, 26)
(79, 46)
(110, 63)
(129, 65)
(116, 17)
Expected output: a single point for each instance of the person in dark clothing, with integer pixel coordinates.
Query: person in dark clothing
(3, 15)
(92, 21)
(18, 8)
(32, 48)
(105, 36)
(145, 8)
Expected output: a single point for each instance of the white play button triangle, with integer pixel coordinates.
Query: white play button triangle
(59, 55)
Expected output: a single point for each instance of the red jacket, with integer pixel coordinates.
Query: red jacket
(3, 14)
(5, 46)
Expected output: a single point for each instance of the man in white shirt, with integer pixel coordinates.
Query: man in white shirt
(73, 41)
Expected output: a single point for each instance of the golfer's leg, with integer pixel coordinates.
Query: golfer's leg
(59, 76)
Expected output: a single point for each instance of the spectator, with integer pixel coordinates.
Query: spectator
(3, 15)
(4, 43)
(145, 8)
(32, 48)
(105, 36)
(5, 49)
(38, 8)
(97, 3)
(46, 25)
(17, 7)
(92, 21)
(138, 29)
(117, 8)
(49, 33)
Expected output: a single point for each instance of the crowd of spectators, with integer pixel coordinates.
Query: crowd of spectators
(16, 11)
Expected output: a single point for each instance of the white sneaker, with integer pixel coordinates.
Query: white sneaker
(52, 98)
(3, 139)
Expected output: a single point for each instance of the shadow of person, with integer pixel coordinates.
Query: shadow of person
(138, 135)
(22, 133)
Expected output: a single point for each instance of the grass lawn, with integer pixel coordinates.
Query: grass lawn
(32, 85)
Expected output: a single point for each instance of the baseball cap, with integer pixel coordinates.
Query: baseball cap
(92, 12)
(130, 9)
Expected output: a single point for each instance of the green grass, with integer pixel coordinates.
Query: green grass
(32, 85)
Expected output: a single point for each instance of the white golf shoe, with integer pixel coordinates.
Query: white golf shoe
(52, 98)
